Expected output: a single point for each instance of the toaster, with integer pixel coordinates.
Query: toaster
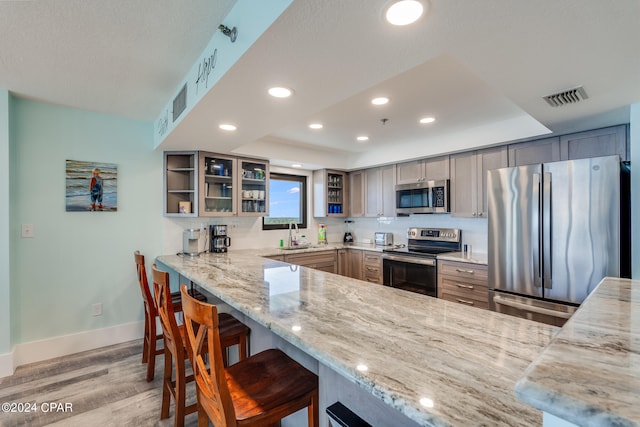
(383, 239)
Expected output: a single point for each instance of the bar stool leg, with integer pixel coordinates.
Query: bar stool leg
(166, 384)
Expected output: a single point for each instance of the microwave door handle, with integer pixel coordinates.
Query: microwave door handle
(547, 247)
(535, 230)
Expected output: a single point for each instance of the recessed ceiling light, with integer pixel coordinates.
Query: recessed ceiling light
(362, 138)
(379, 101)
(280, 92)
(296, 165)
(226, 126)
(404, 12)
(425, 120)
(315, 125)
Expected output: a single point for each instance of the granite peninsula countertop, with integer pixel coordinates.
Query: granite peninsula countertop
(590, 373)
(437, 362)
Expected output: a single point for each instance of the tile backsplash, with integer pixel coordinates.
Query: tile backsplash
(247, 233)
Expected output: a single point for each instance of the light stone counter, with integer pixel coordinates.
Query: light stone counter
(438, 363)
(590, 374)
(462, 257)
(318, 248)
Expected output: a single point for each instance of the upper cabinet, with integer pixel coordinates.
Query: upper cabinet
(379, 194)
(209, 184)
(330, 193)
(181, 183)
(535, 152)
(435, 168)
(595, 143)
(217, 195)
(356, 193)
(469, 180)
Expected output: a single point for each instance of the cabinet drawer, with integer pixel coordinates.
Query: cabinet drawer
(465, 301)
(463, 270)
(464, 290)
(373, 259)
(373, 274)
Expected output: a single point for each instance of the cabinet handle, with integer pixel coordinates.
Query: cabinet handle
(464, 301)
(479, 213)
(460, 270)
(474, 214)
(460, 285)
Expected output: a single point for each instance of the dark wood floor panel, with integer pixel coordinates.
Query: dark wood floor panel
(105, 387)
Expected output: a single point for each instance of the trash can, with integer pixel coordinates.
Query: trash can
(341, 416)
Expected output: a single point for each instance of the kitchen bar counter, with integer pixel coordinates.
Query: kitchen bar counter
(590, 374)
(438, 363)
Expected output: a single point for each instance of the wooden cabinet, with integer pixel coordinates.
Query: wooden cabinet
(180, 183)
(469, 180)
(595, 143)
(534, 152)
(233, 186)
(379, 195)
(330, 193)
(322, 260)
(435, 168)
(355, 257)
(372, 264)
(464, 283)
(356, 193)
(343, 262)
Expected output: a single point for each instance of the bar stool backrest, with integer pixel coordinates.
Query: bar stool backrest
(201, 323)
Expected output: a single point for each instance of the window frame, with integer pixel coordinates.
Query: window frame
(302, 179)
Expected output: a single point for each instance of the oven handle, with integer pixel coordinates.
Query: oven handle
(410, 260)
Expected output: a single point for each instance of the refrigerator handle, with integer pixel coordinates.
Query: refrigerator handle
(535, 230)
(547, 247)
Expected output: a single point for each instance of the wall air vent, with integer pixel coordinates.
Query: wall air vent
(180, 103)
(570, 96)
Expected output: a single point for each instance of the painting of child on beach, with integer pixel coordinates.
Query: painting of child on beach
(91, 187)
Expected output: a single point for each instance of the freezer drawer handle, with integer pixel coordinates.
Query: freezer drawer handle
(460, 270)
(526, 307)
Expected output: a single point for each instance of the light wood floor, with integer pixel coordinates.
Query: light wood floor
(105, 387)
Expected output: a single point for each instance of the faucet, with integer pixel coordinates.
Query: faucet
(291, 237)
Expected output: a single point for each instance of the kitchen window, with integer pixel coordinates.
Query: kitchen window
(287, 202)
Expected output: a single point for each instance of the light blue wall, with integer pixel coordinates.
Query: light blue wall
(635, 190)
(5, 294)
(78, 258)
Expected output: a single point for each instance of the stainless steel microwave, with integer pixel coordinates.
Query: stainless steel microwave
(422, 197)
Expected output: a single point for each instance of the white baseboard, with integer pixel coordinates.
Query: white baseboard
(37, 351)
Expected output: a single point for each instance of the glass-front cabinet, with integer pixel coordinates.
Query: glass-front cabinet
(217, 195)
(254, 188)
(231, 186)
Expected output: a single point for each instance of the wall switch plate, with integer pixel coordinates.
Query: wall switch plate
(96, 309)
(28, 231)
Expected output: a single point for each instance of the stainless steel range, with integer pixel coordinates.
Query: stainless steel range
(413, 267)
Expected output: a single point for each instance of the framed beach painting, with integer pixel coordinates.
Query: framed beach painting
(91, 186)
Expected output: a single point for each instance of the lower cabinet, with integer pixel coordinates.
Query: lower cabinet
(464, 283)
(343, 262)
(322, 260)
(355, 264)
(372, 262)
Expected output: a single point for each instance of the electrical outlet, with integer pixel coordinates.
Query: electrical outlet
(96, 309)
(28, 231)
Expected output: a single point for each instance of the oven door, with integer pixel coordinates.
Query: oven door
(410, 274)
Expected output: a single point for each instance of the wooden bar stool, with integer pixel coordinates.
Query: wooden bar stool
(149, 346)
(176, 348)
(258, 391)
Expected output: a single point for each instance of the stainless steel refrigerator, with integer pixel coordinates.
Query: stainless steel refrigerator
(554, 233)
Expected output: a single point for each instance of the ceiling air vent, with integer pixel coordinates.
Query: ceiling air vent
(570, 96)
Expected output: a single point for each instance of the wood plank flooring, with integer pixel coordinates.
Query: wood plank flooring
(104, 387)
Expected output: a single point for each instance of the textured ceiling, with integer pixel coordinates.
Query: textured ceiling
(480, 68)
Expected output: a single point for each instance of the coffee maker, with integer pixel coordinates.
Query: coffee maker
(219, 239)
